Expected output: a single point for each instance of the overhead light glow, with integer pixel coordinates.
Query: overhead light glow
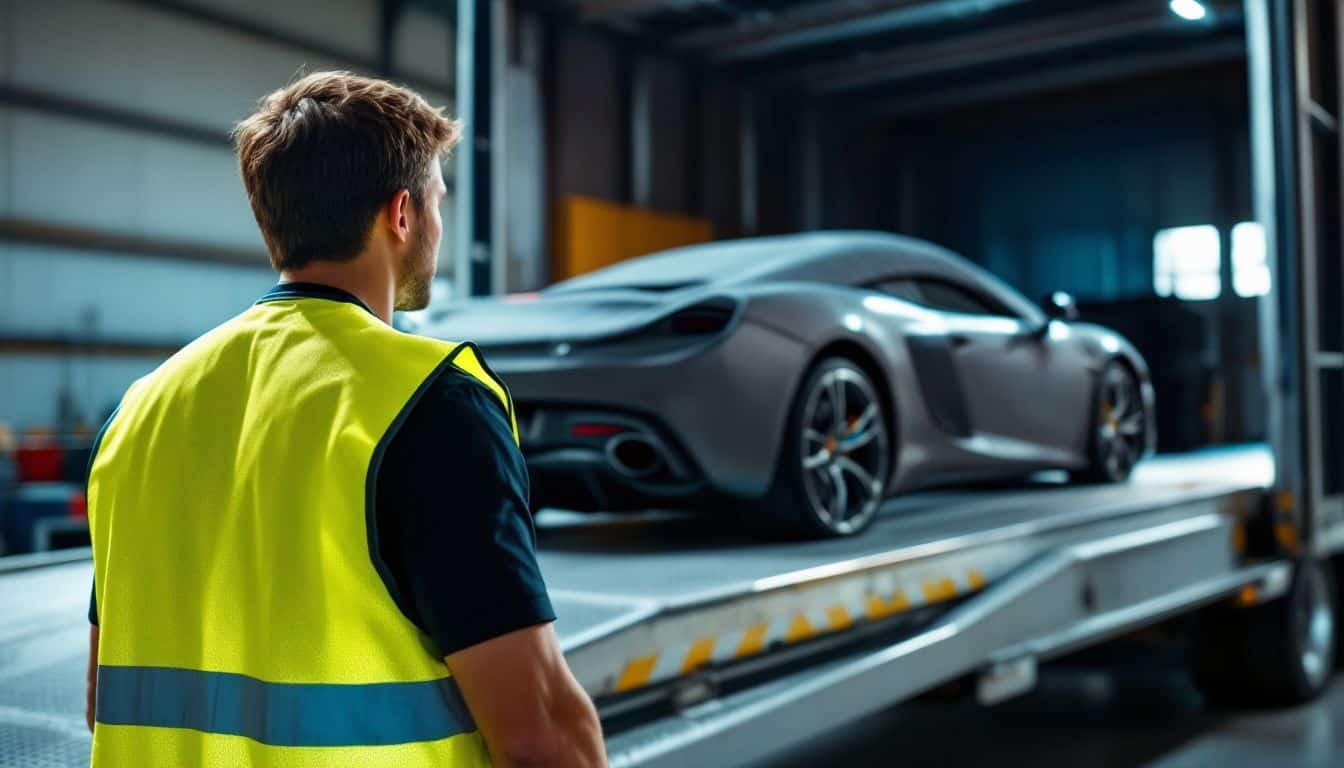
(1190, 10)
(1250, 259)
(1187, 262)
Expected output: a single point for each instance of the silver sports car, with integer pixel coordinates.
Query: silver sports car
(803, 378)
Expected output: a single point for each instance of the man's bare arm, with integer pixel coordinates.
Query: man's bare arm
(527, 704)
(92, 692)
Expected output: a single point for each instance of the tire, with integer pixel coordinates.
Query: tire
(1117, 435)
(1277, 654)
(833, 462)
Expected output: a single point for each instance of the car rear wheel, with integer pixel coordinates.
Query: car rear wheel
(1279, 653)
(833, 465)
(1119, 426)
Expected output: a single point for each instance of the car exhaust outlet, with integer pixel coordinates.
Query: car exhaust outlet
(634, 456)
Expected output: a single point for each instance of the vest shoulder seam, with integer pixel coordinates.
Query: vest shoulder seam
(494, 377)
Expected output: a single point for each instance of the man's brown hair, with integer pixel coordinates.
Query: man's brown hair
(322, 155)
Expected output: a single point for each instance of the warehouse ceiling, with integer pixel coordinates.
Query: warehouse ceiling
(901, 57)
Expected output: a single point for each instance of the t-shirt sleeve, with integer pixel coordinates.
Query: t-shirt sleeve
(454, 538)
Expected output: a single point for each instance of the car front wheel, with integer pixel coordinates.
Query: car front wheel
(1119, 426)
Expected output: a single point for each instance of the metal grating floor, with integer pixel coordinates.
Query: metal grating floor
(43, 650)
(41, 716)
(23, 746)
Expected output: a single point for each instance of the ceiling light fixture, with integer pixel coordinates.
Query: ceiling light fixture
(1190, 10)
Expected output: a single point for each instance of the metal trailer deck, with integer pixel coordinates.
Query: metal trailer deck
(708, 648)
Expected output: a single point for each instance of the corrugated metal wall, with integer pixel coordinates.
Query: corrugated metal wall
(114, 128)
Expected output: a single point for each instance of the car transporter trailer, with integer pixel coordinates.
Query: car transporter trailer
(705, 648)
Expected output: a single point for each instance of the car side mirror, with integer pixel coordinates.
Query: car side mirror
(1060, 306)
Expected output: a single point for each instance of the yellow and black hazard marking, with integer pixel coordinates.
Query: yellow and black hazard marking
(791, 627)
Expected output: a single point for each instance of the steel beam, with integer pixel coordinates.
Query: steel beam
(389, 17)
(594, 10)
(1089, 27)
(225, 20)
(17, 230)
(641, 132)
(472, 156)
(500, 23)
(114, 117)
(1085, 74)
(482, 66)
(72, 346)
(749, 191)
(813, 167)
(758, 37)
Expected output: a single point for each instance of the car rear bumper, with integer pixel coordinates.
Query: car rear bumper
(590, 459)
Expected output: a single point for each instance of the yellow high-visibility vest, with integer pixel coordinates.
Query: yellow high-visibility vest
(243, 619)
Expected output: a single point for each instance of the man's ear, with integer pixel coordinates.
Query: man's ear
(398, 215)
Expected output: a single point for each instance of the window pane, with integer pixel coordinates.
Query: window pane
(1252, 281)
(951, 298)
(1250, 268)
(902, 289)
(1197, 286)
(1197, 259)
(1186, 262)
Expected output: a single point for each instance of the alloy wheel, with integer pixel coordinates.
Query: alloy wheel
(844, 453)
(1120, 424)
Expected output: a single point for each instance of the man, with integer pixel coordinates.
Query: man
(301, 516)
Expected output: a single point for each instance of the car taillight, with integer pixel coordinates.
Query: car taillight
(701, 319)
(595, 429)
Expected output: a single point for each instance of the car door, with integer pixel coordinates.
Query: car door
(1024, 384)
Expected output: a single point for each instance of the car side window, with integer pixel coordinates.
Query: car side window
(946, 297)
(901, 289)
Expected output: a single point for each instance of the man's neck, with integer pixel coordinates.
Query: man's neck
(360, 277)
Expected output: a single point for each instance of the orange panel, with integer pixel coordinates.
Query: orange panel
(590, 234)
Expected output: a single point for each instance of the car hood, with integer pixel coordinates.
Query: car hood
(542, 318)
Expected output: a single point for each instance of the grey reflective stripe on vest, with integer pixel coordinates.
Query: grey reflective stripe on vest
(282, 714)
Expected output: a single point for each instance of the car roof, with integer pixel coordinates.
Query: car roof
(754, 259)
(837, 257)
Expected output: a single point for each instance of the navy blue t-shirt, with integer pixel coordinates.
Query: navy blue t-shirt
(451, 534)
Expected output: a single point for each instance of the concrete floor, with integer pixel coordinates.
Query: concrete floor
(1144, 714)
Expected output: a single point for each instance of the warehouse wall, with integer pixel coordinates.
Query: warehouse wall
(589, 116)
(1066, 193)
(721, 159)
(643, 130)
(666, 88)
(114, 129)
(861, 191)
(620, 122)
(1045, 220)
